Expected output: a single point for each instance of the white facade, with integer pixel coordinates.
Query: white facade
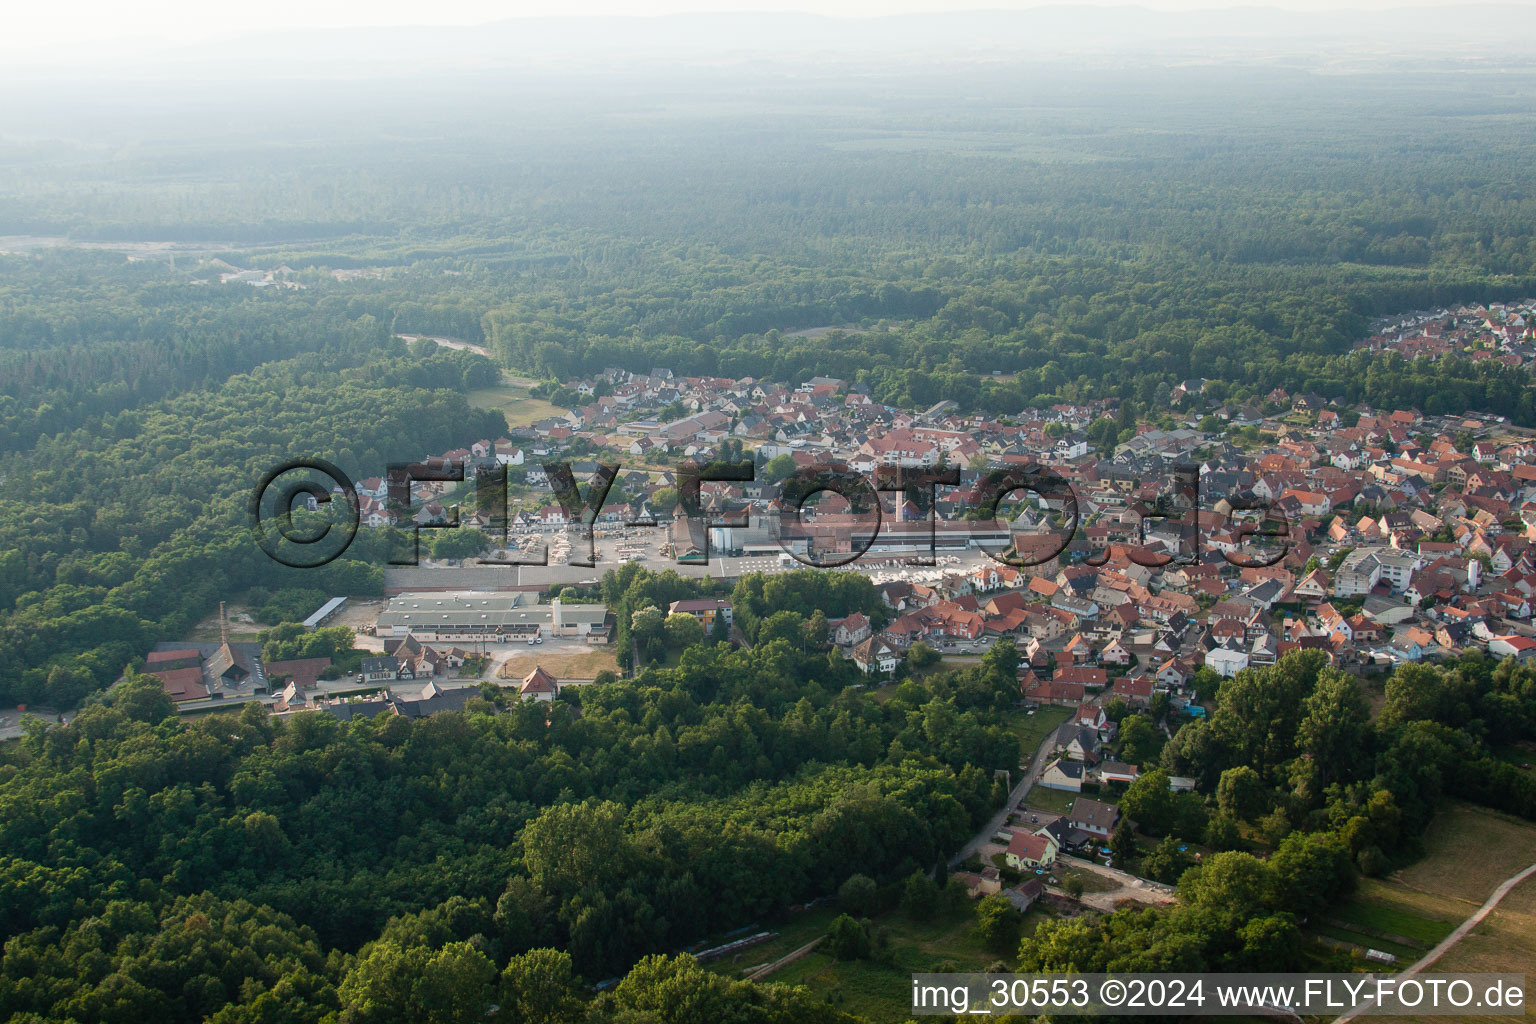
(1226, 662)
(494, 617)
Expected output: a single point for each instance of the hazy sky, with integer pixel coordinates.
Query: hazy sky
(43, 29)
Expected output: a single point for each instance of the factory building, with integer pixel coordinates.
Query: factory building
(490, 618)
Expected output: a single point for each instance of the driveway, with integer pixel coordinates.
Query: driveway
(1128, 886)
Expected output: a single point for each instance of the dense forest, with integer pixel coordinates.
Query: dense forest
(624, 819)
(131, 526)
(243, 868)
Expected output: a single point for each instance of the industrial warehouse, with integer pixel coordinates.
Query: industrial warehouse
(502, 617)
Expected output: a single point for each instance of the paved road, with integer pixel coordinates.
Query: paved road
(1000, 819)
(1130, 886)
(1456, 936)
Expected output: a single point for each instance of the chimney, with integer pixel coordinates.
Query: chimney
(223, 625)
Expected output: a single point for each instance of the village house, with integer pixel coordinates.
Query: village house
(539, 685)
(1093, 817)
(854, 629)
(1030, 851)
(1064, 775)
(876, 656)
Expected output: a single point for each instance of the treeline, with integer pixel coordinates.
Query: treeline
(387, 859)
(1306, 733)
(1110, 254)
(1032, 331)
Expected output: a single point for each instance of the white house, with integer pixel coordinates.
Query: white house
(1066, 775)
(539, 685)
(875, 655)
(1225, 661)
(1520, 647)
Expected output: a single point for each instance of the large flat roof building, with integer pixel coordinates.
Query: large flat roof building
(467, 615)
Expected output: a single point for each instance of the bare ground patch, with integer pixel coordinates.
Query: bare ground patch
(582, 665)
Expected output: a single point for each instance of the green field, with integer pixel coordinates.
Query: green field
(1377, 910)
(880, 988)
(1056, 801)
(514, 402)
(1032, 729)
(1504, 942)
(1092, 880)
(1410, 911)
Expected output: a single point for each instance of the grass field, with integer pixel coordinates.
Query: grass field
(1380, 908)
(584, 665)
(1469, 851)
(1056, 801)
(1472, 850)
(879, 991)
(1032, 729)
(1505, 942)
(514, 403)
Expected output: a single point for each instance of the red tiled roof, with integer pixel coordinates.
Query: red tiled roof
(1028, 846)
(182, 683)
(538, 681)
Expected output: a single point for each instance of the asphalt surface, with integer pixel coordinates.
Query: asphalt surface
(1000, 819)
